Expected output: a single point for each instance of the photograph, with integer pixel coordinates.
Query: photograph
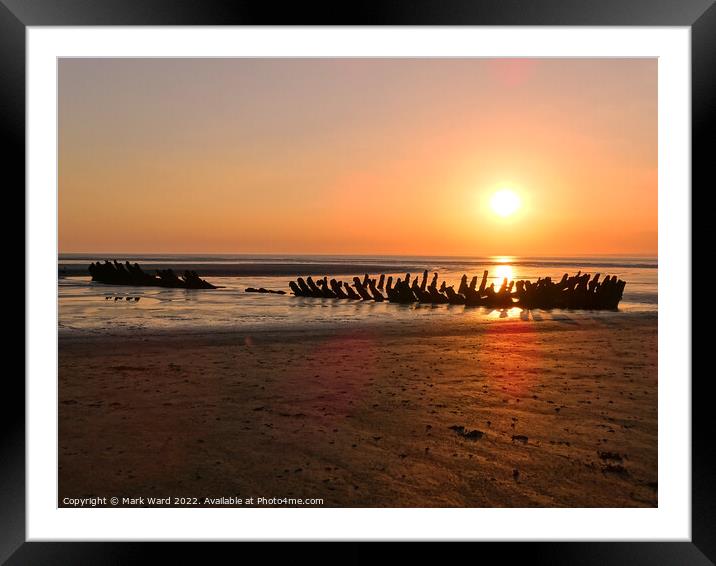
(357, 282)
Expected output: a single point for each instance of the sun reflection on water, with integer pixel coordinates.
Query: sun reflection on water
(502, 271)
(502, 314)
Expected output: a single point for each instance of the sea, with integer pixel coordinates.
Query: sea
(87, 306)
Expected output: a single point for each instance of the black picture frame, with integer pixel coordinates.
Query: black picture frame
(17, 15)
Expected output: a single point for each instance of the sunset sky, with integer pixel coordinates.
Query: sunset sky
(358, 156)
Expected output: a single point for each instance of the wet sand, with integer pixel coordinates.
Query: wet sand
(565, 413)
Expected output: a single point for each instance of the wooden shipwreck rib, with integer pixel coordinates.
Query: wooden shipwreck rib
(115, 273)
(579, 291)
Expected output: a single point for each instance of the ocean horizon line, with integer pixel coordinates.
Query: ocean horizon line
(157, 255)
(279, 265)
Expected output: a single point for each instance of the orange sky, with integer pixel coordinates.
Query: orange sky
(357, 156)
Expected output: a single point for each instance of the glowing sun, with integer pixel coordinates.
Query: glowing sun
(505, 203)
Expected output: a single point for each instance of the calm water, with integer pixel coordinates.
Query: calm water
(82, 304)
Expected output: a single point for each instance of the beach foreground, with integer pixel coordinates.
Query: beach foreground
(565, 413)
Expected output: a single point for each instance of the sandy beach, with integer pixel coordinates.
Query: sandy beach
(503, 414)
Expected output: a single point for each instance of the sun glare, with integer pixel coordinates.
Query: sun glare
(505, 203)
(502, 271)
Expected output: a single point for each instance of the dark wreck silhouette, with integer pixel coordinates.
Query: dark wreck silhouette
(115, 273)
(263, 290)
(579, 291)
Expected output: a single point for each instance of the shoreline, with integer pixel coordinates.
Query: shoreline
(415, 327)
